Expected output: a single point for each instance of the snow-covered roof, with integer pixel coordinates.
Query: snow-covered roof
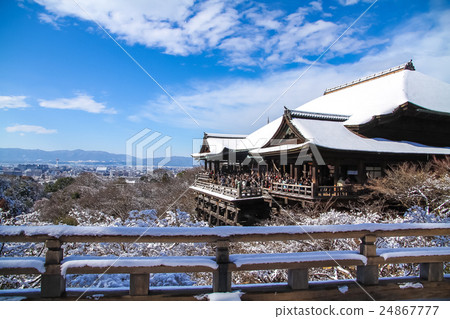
(351, 104)
(334, 135)
(218, 142)
(225, 136)
(237, 142)
(382, 95)
(261, 136)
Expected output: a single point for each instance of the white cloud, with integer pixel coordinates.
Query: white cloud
(29, 129)
(184, 27)
(231, 106)
(317, 5)
(352, 2)
(81, 102)
(50, 19)
(13, 102)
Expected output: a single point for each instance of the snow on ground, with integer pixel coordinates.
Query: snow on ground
(415, 285)
(225, 296)
(343, 289)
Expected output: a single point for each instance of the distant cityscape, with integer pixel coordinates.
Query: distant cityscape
(43, 166)
(45, 173)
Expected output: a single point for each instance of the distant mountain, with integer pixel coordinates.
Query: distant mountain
(18, 155)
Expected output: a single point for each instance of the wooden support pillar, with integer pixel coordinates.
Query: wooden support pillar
(139, 284)
(361, 172)
(236, 216)
(336, 173)
(314, 174)
(53, 284)
(432, 271)
(298, 278)
(291, 170)
(222, 277)
(218, 212)
(209, 218)
(368, 275)
(226, 212)
(314, 189)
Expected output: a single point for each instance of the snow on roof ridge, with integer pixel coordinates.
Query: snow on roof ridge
(316, 115)
(405, 66)
(223, 135)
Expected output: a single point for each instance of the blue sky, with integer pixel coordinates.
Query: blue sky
(65, 84)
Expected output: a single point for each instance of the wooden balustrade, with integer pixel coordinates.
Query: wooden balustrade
(223, 264)
(294, 189)
(238, 192)
(291, 190)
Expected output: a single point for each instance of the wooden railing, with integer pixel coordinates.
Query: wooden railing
(335, 191)
(203, 181)
(311, 191)
(367, 260)
(294, 189)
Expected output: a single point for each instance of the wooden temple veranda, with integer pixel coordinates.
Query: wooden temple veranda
(328, 148)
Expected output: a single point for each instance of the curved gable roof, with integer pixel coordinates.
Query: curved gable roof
(383, 95)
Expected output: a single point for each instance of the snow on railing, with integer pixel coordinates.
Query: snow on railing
(367, 260)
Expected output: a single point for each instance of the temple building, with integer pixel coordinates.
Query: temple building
(352, 133)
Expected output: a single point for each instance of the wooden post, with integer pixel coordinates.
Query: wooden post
(361, 172)
(368, 275)
(239, 188)
(314, 190)
(314, 178)
(222, 277)
(236, 216)
(336, 173)
(139, 284)
(218, 212)
(298, 278)
(432, 271)
(53, 284)
(226, 212)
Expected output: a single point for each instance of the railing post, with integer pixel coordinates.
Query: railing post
(139, 284)
(298, 278)
(222, 277)
(432, 271)
(53, 284)
(314, 190)
(239, 188)
(368, 274)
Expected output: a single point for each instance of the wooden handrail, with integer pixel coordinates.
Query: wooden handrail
(367, 259)
(229, 191)
(203, 234)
